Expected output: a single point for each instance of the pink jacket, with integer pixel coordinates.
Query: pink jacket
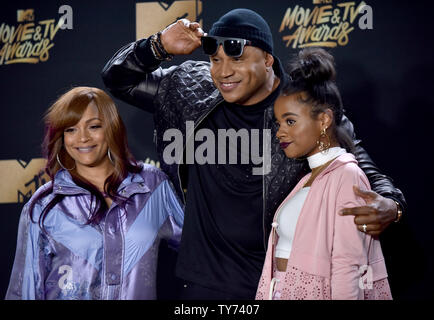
(329, 253)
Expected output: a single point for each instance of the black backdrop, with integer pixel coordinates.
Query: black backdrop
(385, 76)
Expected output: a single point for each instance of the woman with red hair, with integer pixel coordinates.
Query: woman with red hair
(93, 231)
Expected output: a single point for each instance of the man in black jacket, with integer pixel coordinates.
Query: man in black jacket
(229, 209)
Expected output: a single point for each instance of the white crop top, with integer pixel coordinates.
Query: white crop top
(288, 214)
(287, 218)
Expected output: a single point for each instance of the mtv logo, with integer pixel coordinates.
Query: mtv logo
(25, 15)
(20, 179)
(152, 17)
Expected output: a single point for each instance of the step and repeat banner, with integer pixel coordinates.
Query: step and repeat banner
(383, 52)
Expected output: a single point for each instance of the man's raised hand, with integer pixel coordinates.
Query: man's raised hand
(182, 37)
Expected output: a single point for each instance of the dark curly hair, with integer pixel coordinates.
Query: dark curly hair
(312, 72)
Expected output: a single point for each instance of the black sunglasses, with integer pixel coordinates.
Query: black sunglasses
(233, 47)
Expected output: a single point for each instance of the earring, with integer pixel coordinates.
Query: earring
(110, 156)
(323, 146)
(60, 163)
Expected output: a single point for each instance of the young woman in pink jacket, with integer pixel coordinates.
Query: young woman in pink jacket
(313, 251)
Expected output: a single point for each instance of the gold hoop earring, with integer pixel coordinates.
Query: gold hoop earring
(110, 156)
(323, 146)
(60, 164)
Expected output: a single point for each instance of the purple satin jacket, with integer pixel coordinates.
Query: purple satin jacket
(115, 259)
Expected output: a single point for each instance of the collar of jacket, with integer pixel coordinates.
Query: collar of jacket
(336, 163)
(132, 184)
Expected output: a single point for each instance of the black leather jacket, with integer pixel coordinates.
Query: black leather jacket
(187, 93)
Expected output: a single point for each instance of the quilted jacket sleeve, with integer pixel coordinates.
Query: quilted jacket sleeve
(133, 75)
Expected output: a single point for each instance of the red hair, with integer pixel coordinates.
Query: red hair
(66, 112)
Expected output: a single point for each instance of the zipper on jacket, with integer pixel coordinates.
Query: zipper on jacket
(155, 138)
(263, 176)
(264, 214)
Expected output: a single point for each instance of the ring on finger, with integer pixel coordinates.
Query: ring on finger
(364, 228)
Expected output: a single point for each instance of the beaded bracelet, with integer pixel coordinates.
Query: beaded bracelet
(158, 49)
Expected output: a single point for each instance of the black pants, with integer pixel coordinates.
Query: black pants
(194, 291)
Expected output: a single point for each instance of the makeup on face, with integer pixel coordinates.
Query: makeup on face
(85, 141)
(298, 132)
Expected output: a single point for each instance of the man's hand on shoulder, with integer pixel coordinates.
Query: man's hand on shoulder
(376, 215)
